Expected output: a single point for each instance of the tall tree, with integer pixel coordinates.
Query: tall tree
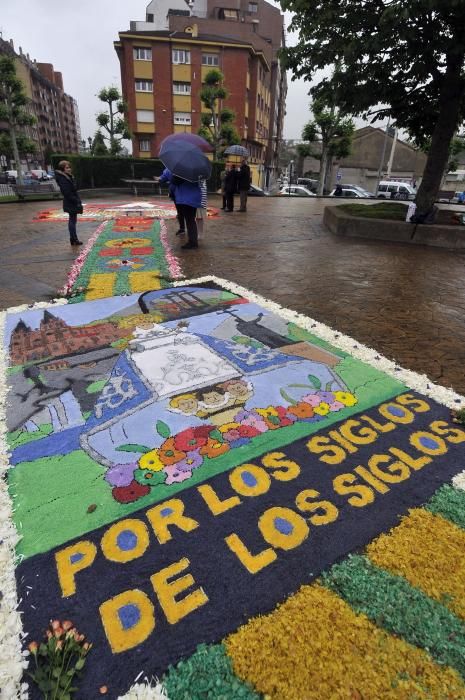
(333, 130)
(217, 123)
(407, 57)
(113, 120)
(24, 144)
(13, 110)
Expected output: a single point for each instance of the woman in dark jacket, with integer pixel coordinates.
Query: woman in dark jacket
(71, 200)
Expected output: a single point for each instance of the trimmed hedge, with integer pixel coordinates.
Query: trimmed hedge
(109, 171)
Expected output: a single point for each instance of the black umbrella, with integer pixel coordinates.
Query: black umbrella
(185, 160)
(236, 150)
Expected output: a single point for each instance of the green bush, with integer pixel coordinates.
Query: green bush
(381, 210)
(109, 171)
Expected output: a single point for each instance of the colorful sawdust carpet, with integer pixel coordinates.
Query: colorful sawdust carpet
(147, 209)
(186, 462)
(123, 256)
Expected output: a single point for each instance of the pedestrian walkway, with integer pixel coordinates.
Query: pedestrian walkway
(408, 303)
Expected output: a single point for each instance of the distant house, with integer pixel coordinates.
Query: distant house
(363, 165)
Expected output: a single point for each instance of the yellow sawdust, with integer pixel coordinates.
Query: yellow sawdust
(429, 552)
(100, 285)
(314, 647)
(144, 281)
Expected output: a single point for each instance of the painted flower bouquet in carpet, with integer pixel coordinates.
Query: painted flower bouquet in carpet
(59, 660)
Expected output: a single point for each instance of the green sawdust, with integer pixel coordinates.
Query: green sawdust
(295, 332)
(96, 387)
(206, 675)
(392, 603)
(22, 437)
(450, 503)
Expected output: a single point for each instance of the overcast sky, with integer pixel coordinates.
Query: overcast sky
(77, 37)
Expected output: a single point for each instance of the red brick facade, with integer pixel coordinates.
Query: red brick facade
(54, 338)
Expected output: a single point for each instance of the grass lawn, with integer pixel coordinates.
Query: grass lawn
(396, 211)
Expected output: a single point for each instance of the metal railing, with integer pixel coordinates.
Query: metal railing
(6, 191)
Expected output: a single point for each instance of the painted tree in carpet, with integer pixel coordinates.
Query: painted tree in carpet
(113, 121)
(395, 58)
(217, 122)
(331, 128)
(13, 111)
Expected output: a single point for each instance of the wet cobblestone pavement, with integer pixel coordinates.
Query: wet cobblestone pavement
(408, 302)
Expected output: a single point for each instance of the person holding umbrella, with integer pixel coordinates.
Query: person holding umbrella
(188, 198)
(167, 176)
(188, 166)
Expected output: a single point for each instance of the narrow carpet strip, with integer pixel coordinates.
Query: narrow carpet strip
(130, 255)
(429, 552)
(392, 603)
(450, 503)
(206, 674)
(314, 646)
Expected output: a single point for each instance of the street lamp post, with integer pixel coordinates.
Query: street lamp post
(291, 169)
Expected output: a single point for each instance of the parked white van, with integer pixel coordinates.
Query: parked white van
(391, 189)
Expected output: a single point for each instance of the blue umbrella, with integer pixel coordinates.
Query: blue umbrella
(236, 150)
(193, 139)
(185, 160)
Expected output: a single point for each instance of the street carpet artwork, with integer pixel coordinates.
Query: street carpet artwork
(125, 255)
(94, 212)
(234, 499)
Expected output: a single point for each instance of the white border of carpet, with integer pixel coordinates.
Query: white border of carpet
(12, 659)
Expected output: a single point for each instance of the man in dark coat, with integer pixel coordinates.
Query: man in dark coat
(71, 200)
(230, 186)
(244, 182)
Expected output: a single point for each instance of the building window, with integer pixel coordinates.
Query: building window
(181, 56)
(253, 7)
(181, 88)
(145, 115)
(149, 18)
(182, 118)
(228, 14)
(144, 85)
(210, 59)
(144, 145)
(142, 54)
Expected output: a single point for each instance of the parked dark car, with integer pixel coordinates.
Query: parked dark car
(255, 191)
(4, 179)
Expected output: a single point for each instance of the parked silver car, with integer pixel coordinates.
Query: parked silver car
(295, 191)
(353, 191)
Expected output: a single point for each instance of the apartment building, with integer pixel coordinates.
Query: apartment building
(164, 60)
(57, 125)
